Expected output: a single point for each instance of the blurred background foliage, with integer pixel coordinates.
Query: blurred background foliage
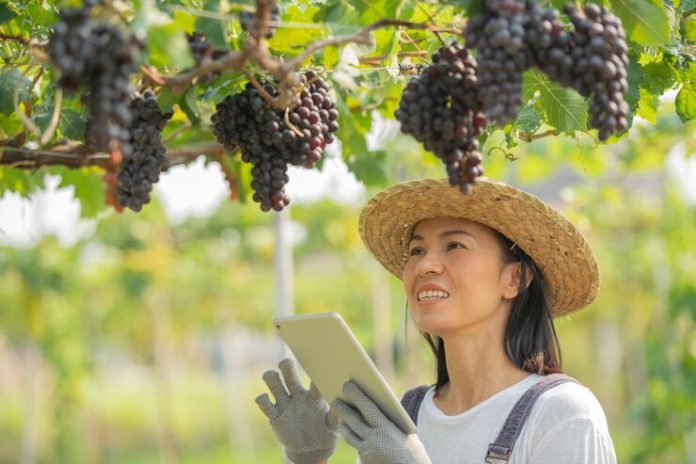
(145, 341)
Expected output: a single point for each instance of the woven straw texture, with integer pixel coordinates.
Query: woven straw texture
(554, 243)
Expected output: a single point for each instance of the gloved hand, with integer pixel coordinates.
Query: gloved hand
(377, 439)
(300, 418)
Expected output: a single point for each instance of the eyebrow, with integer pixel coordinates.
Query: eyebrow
(445, 234)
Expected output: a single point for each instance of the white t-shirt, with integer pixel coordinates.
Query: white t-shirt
(567, 425)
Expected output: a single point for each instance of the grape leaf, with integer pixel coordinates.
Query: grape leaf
(659, 76)
(8, 81)
(688, 29)
(647, 106)
(6, 13)
(368, 167)
(635, 80)
(563, 108)
(168, 47)
(646, 23)
(189, 105)
(70, 123)
(292, 40)
(528, 119)
(686, 98)
(686, 103)
(215, 30)
(20, 181)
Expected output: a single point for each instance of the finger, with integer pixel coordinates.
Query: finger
(267, 408)
(369, 410)
(292, 380)
(314, 391)
(351, 418)
(351, 438)
(272, 379)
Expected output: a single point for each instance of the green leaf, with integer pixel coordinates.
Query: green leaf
(686, 98)
(168, 47)
(166, 99)
(88, 189)
(688, 29)
(647, 107)
(646, 23)
(686, 103)
(6, 13)
(369, 168)
(70, 123)
(8, 81)
(215, 30)
(562, 108)
(20, 181)
(635, 80)
(292, 40)
(529, 119)
(659, 76)
(189, 105)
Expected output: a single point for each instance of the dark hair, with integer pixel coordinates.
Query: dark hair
(530, 336)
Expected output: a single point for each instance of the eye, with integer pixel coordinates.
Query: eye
(416, 251)
(455, 245)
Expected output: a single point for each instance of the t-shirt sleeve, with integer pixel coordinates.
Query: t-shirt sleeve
(575, 441)
(570, 428)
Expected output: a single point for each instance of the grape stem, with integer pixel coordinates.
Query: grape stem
(292, 127)
(55, 117)
(26, 122)
(259, 88)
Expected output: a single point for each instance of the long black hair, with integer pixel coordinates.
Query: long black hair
(530, 336)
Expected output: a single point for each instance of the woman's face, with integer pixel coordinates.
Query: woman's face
(455, 278)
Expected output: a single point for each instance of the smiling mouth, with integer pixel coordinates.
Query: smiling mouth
(430, 295)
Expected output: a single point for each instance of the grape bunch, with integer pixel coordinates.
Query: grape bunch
(248, 21)
(499, 37)
(272, 139)
(144, 160)
(513, 35)
(441, 108)
(600, 58)
(99, 57)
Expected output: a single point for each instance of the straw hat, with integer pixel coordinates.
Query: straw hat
(552, 241)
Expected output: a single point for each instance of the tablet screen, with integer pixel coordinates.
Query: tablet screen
(331, 355)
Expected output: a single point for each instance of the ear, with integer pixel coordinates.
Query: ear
(511, 278)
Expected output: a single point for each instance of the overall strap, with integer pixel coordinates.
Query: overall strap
(501, 448)
(412, 400)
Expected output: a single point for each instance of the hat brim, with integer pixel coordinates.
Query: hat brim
(554, 243)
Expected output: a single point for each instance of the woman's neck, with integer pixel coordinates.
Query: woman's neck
(478, 368)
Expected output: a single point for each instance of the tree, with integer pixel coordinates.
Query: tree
(197, 52)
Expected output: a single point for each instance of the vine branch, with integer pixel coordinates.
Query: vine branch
(531, 137)
(77, 156)
(255, 49)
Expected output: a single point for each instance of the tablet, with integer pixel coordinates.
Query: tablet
(331, 355)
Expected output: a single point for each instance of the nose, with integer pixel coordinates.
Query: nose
(430, 263)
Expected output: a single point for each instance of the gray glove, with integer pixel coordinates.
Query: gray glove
(300, 418)
(368, 430)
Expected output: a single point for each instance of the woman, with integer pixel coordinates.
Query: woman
(484, 275)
